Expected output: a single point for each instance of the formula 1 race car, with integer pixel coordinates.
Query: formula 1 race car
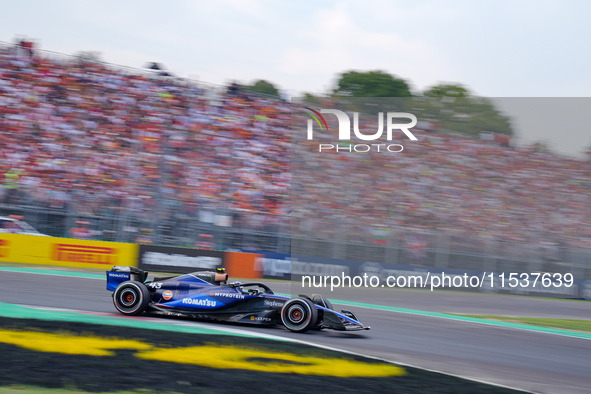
(207, 295)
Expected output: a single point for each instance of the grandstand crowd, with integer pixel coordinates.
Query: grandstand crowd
(90, 137)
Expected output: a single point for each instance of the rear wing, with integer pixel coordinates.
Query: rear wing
(119, 274)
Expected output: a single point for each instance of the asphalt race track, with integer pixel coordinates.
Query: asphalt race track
(523, 359)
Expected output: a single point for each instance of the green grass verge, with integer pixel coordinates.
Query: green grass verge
(565, 324)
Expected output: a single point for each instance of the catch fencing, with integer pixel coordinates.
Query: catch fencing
(227, 229)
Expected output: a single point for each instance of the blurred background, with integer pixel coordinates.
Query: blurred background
(152, 154)
(97, 151)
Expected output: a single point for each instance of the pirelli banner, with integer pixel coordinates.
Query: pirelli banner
(183, 260)
(66, 252)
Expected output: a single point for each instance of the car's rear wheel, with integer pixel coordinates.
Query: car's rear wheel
(299, 314)
(131, 298)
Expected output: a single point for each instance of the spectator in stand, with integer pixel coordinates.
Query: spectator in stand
(145, 237)
(27, 47)
(205, 241)
(82, 230)
(11, 185)
(97, 140)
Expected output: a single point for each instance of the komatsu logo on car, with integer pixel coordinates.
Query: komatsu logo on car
(228, 295)
(200, 302)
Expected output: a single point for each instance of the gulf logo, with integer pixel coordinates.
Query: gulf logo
(167, 295)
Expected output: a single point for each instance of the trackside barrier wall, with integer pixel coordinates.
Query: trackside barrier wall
(273, 265)
(242, 265)
(184, 260)
(65, 252)
(77, 253)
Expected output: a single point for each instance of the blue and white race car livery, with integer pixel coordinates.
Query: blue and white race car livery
(208, 296)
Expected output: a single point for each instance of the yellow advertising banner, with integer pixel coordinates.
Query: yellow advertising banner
(66, 252)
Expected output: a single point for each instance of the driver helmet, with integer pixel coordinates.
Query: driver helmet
(237, 285)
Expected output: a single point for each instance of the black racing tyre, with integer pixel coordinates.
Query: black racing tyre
(131, 298)
(299, 315)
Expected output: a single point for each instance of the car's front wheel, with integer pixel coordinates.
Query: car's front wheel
(299, 315)
(131, 298)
